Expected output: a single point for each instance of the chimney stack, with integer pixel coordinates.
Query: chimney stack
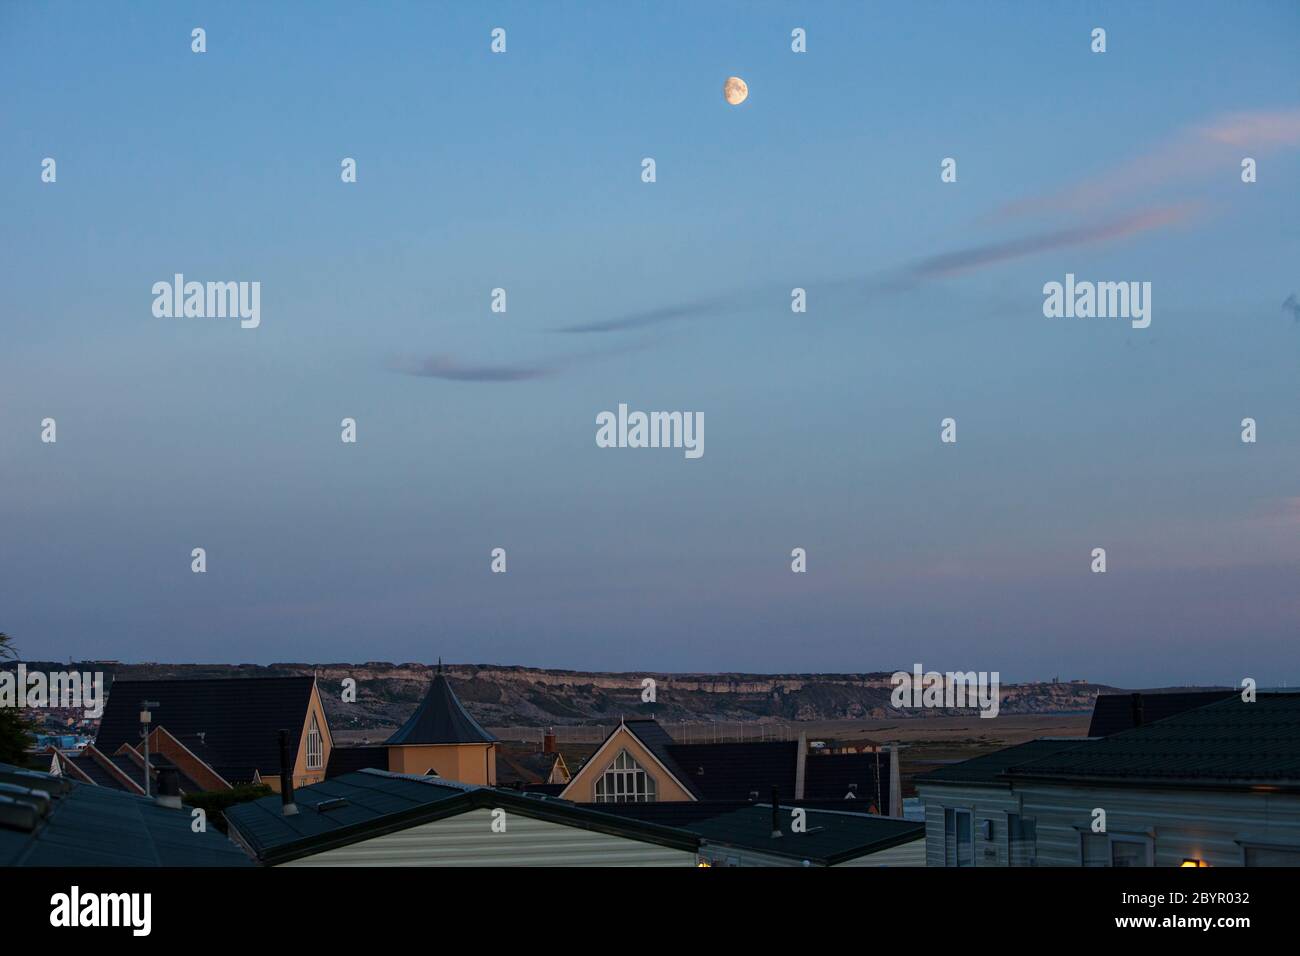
(169, 788)
(548, 741)
(776, 815)
(289, 808)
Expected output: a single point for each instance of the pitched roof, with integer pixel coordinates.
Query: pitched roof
(524, 768)
(99, 775)
(835, 776)
(832, 836)
(735, 770)
(1113, 713)
(989, 769)
(358, 806)
(658, 741)
(239, 718)
(86, 825)
(351, 759)
(1228, 743)
(731, 771)
(440, 719)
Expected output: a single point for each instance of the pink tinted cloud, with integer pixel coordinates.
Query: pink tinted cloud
(974, 257)
(1200, 150)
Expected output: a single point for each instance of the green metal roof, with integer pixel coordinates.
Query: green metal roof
(1227, 743)
(369, 803)
(990, 769)
(833, 835)
(85, 825)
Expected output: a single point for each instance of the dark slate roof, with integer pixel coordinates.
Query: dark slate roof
(1229, 743)
(440, 719)
(351, 759)
(88, 765)
(990, 769)
(524, 768)
(833, 836)
(834, 776)
(731, 771)
(368, 803)
(86, 826)
(1113, 713)
(240, 718)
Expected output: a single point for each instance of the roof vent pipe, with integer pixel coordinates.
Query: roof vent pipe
(289, 808)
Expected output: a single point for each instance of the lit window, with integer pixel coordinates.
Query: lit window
(315, 748)
(625, 781)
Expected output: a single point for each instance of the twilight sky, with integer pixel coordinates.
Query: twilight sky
(523, 171)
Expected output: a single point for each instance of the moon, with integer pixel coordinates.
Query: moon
(735, 90)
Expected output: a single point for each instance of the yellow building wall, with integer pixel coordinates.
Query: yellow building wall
(582, 788)
(303, 777)
(466, 763)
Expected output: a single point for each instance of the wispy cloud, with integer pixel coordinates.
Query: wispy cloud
(638, 320)
(1205, 149)
(974, 257)
(451, 369)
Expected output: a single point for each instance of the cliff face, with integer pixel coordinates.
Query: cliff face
(500, 696)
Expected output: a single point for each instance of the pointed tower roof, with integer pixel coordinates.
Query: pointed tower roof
(440, 719)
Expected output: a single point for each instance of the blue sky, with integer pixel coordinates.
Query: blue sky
(522, 171)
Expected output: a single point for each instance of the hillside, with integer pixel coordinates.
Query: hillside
(501, 696)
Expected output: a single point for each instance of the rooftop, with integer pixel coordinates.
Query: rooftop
(440, 719)
(832, 836)
(361, 805)
(234, 721)
(1225, 743)
(83, 825)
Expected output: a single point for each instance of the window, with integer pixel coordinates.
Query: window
(315, 748)
(1272, 855)
(958, 848)
(1116, 849)
(625, 781)
(1022, 840)
(1095, 849)
(1130, 851)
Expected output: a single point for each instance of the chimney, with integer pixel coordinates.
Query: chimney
(776, 815)
(800, 762)
(1137, 710)
(289, 808)
(169, 788)
(548, 741)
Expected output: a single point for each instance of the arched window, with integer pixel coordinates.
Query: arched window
(315, 750)
(625, 781)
